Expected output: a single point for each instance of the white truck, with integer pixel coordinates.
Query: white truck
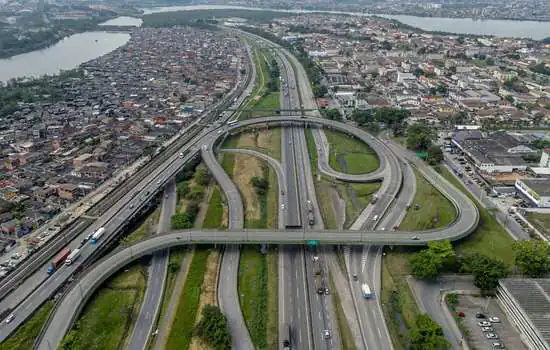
(72, 257)
(97, 235)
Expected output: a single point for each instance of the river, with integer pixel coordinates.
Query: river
(66, 54)
(79, 48)
(503, 28)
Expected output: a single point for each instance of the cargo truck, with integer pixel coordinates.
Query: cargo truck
(72, 257)
(97, 235)
(58, 260)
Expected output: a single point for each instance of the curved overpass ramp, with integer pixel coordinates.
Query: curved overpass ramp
(74, 300)
(228, 295)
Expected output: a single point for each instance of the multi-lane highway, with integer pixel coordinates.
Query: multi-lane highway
(307, 316)
(466, 222)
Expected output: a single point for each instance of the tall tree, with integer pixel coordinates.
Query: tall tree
(532, 257)
(420, 136)
(487, 271)
(427, 335)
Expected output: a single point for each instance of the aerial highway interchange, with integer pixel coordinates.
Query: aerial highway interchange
(300, 308)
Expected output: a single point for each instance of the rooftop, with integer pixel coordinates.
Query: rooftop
(533, 296)
(541, 186)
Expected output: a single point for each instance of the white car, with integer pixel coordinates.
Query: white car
(484, 324)
(494, 319)
(491, 336)
(10, 318)
(326, 334)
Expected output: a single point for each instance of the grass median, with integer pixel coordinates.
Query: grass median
(181, 333)
(213, 218)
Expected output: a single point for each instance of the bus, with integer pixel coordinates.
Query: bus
(365, 291)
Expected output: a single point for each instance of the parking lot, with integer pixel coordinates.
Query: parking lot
(506, 334)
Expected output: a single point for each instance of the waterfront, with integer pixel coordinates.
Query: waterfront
(123, 21)
(503, 28)
(66, 54)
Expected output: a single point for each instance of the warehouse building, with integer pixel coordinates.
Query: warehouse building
(537, 191)
(526, 302)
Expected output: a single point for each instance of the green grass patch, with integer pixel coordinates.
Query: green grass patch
(25, 335)
(108, 318)
(253, 293)
(490, 238)
(541, 222)
(272, 200)
(358, 156)
(273, 300)
(228, 163)
(434, 209)
(182, 329)
(398, 303)
(214, 214)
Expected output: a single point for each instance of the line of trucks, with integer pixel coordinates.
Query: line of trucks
(310, 215)
(67, 256)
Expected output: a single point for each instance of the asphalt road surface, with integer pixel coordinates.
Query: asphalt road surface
(157, 276)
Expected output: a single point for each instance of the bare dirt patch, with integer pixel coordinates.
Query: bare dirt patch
(247, 139)
(246, 167)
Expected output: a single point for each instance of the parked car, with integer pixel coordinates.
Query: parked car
(494, 319)
(484, 324)
(498, 346)
(491, 336)
(487, 329)
(480, 315)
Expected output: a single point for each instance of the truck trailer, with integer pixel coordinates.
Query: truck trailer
(97, 235)
(58, 260)
(72, 257)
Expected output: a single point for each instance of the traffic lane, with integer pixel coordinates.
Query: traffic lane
(157, 276)
(229, 299)
(321, 307)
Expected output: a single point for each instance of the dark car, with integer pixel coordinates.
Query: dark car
(480, 315)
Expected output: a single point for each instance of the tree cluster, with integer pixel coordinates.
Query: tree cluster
(431, 262)
(532, 258)
(185, 220)
(427, 335)
(394, 118)
(440, 258)
(332, 114)
(260, 184)
(213, 328)
(486, 271)
(420, 136)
